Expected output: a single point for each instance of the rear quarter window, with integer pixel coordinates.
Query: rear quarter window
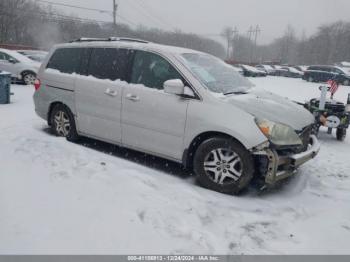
(66, 60)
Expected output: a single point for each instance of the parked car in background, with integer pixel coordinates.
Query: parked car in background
(238, 69)
(301, 68)
(324, 73)
(267, 69)
(35, 55)
(21, 67)
(292, 72)
(345, 66)
(170, 102)
(251, 71)
(280, 71)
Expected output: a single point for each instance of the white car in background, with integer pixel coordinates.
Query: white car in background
(251, 71)
(35, 55)
(21, 67)
(266, 68)
(238, 70)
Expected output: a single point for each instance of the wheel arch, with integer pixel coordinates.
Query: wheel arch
(188, 155)
(52, 106)
(24, 72)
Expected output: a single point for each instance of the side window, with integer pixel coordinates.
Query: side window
(152, 70)
(4, 56)
(109, 63)
(336, 70)
(327, 69)
(66, 60)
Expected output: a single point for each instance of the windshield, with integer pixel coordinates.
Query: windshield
(215, 74)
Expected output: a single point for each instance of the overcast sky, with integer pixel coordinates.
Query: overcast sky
(208, 17)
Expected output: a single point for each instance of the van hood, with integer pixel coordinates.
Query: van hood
(266, 105)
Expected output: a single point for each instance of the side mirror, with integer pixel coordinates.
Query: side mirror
(174, 86)
(12, 61)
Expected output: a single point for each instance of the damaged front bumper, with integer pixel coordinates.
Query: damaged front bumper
(279, 166)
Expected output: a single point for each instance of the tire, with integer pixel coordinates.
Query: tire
(346, 82)
(63, 124)
(29, 78)
(228, 156)
(341, 134)
(310, 79)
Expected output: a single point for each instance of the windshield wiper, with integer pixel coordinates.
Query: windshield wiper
(236, 93)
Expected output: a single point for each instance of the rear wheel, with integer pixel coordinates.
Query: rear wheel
(63, 124)
(341, 134)
(346, 82)
(29, 78)
(223, 165)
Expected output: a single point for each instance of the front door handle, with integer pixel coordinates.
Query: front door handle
(132, 97)
(111, 92)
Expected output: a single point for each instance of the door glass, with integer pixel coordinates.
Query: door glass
(4, 56)
(109, 63)
(152, 70)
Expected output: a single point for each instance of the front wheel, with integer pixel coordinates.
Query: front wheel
(29, 78)
(223, 165)
(63, 124)
(341, 134)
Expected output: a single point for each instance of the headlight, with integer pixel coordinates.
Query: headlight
(278, 134)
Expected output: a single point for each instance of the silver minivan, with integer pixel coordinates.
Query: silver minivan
(179, 104)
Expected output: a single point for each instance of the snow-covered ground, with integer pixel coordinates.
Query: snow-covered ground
(58, 197)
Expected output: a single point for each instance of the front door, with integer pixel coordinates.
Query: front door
(152, 120)
(98, 95)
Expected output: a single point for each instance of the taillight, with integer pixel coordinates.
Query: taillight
(37, 84)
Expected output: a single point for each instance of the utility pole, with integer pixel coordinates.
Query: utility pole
(257, 31)
(250, 33)
(115, 8)
(234, 33)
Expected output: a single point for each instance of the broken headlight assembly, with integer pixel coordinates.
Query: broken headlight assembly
(278, 134)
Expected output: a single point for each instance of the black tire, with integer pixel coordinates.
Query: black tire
(204, 179)
(341, 134)
(28, 78)
(71, 132)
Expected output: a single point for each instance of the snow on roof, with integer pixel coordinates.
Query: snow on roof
(127, 44)
(16, 55)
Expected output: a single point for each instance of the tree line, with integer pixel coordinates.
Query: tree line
(26, 22)
(329, 45)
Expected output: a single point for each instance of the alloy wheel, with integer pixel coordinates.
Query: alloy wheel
(29, 79)
(62, 123)
(223, 166)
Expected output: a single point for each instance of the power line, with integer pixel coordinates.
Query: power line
(148, 7)
(89, 9)
(58, 17)
(75, 6)
(143, 12)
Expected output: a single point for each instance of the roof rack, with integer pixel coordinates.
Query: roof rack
(109, 39)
